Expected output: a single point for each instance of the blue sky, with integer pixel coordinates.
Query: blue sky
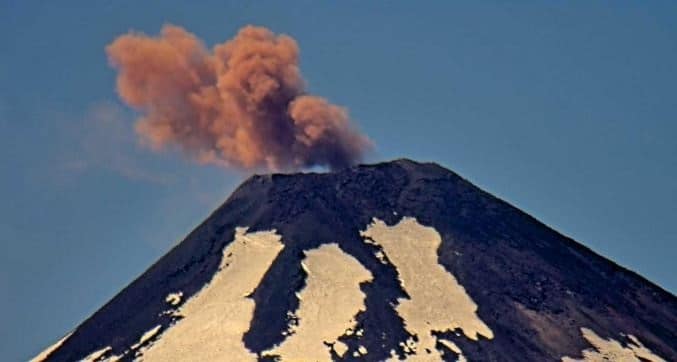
(566, 110)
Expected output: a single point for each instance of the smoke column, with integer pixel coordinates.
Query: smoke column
(243, 104)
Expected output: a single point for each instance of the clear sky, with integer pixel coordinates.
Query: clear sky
(565, 109)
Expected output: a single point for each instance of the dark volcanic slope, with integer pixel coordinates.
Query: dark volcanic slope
(534, 287)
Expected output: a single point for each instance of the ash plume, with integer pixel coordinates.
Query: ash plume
(243, 104)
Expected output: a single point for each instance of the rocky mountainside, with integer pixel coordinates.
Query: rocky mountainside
(393, 261)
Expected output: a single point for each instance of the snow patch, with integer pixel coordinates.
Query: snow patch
(437, 301)
(174, 298)
(99, 356)
(147, 337)
(612, 350)
(328, 305)
(217, 317)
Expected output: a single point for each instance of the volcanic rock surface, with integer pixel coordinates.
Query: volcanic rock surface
(394, 261)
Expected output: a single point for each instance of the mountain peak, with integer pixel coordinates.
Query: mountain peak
(401, 260)
(400, 163)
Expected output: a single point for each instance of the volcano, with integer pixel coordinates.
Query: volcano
(394, 261)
